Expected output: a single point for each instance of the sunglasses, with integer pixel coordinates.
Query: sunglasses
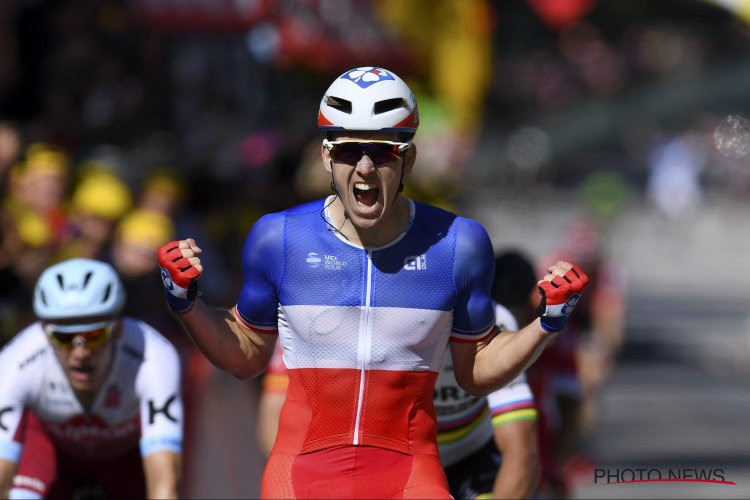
(92, 335)
(349, 151)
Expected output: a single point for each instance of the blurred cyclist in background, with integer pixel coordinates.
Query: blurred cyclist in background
(89, 398)
(366, 290)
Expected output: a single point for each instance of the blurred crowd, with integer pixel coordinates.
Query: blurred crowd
(126, 124)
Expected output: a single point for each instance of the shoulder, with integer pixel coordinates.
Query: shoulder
(141, 340)
(270, 228)
(29, 348)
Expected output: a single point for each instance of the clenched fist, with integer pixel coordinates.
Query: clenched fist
(560, 289)
(180, 269)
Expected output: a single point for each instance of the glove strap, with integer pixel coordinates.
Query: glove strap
(553, 324)
(178, 305)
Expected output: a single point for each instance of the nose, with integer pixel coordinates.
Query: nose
(80, 348)
(365, 165)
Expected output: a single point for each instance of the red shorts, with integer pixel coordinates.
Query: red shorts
(354, 472)
(49, 473)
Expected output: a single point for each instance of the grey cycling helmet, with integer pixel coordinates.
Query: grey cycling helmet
(78, 288)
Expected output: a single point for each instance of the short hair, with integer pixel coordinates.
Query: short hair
(514, 279)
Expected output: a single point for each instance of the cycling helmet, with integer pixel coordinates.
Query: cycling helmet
(78, 288)
(369, 98)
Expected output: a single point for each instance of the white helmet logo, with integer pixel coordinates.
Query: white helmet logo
(364, 77)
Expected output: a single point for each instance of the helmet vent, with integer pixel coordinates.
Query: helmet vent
(106, 293)
(389, 105)
(87, 278)
(341, 104)
(60, 281)
(44, 297)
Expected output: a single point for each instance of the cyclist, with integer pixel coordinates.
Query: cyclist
(488, 446)
(89, 399)
(366, 289)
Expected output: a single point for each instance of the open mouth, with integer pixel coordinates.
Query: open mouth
(82, 372)
(366, 194)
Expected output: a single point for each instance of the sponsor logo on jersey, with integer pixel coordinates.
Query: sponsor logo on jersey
(113, 397)
(92, 429)
(313, 260)
(5, 410)
(154, 410)
(32, 358)
(415, 263)
(333, 263)
(366, 76)
(29, 482)
(166, 279)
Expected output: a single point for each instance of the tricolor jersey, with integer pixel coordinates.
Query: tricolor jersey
(139, 402)
(364, 330)
(465, 422)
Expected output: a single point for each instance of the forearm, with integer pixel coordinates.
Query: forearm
(162, 469)
(517, 477)
(223, 341)
(501, 359)
(7, 471)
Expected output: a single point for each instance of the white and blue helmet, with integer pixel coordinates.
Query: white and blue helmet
(78, 288)
(369, 98)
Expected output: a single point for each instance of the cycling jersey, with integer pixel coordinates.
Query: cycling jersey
(139, 403)
(465, 422)
(363, 330)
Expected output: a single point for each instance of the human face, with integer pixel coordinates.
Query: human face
(84, 351)
(367, 176)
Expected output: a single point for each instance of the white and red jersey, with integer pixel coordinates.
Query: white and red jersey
(466, 422)
(364, 330)
(138, 404)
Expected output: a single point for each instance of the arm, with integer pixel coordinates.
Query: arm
(483, 366)
(520, 468)
(268, 418)
(226, 342)
(272, 397)
(229, 343)
(162, 470)
(7, 471)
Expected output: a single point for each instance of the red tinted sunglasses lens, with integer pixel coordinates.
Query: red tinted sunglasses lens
(351, 152)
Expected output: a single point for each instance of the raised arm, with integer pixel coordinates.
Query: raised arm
(486, 365)
(217, 332)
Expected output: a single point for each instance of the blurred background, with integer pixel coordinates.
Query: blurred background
(612, 133)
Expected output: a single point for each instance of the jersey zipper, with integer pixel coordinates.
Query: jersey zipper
(364, 347)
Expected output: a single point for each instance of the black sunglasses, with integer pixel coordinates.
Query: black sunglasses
(349, 152)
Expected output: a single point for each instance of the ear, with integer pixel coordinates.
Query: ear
(410, 158)
(327, 160)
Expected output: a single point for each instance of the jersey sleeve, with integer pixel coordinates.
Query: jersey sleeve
(18, 361)
(262, 270)
(158, 388)
(513, 402)
(474, 267)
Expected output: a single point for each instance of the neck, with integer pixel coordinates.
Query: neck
(380, 233)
